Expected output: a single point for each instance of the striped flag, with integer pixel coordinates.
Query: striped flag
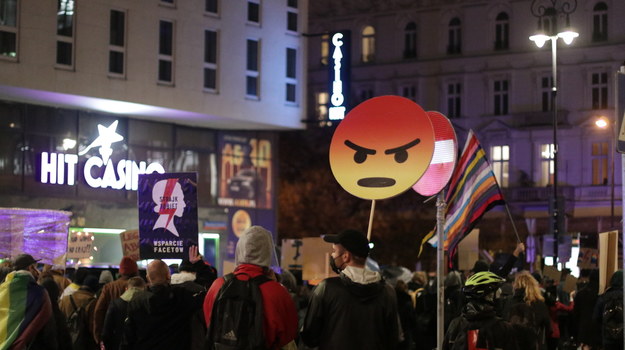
(473, 190)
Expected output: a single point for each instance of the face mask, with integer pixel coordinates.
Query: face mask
(333, 265)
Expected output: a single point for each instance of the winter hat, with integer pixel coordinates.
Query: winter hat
(105, 277)
(480, 266)
(128, 267)
(91, 282)
(255, 247)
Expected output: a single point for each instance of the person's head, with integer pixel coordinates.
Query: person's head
(401, 286)
(420, 278)
(616, 281)
(186, 266)
(50, 285)
(349, 248)
(128, 267)
(453, 279)
(538, 277)
(528, 284)
(158, 273)
(91, 283)
(136, 283)
(482, 286)
(105, 277)
(255, 246)
(26, 262)
(479, 266)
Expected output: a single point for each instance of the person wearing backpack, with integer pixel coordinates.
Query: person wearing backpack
(159, 317)
(479, 327)
(117, 312)
(357, 309)
(269, 316)
(609, 313)
(78, 309)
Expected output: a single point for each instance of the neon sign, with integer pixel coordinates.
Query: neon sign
(60, 168)
(339, 75)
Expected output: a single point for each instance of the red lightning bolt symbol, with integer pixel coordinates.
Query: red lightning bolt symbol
(169, 188)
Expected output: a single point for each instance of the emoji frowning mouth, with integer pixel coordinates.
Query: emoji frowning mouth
(376, 182)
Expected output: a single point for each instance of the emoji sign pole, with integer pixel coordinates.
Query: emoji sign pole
(381, 148)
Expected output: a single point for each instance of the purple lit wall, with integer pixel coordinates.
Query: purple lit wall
(40, 233)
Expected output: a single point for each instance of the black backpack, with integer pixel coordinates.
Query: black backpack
(78, 326)
(237, 316)
(613, 318)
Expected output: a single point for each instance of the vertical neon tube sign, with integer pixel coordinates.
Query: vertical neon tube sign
(339, 74)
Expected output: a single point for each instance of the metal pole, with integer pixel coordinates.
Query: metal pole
(612, 150)
(554, 108)
(440, 269)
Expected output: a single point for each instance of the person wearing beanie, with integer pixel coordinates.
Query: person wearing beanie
(253, 256)
(84, 297)
(357, 309)
(127, 268)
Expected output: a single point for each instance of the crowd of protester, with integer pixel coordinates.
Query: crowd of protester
(491, 306)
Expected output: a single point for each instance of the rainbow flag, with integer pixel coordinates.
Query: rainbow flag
(473, 190)
(24, 309)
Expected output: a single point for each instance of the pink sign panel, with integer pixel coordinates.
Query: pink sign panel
(443, 161)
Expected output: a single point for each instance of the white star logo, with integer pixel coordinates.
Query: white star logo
(107, 136)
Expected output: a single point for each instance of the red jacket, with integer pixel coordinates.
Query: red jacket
(279, 313)
(553, 315)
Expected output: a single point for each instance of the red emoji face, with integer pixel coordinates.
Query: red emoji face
(382, 147)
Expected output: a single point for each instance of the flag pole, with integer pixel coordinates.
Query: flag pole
(370, 220)
(440, 269)
(512, 221)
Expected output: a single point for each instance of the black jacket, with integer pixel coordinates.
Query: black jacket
(480, 318)
(343, 314)
(159, 318)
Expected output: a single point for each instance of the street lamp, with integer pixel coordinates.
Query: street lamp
(604, 123)
(547, 12)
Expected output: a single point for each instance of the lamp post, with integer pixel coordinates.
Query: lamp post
(604, 123)
(548, 12)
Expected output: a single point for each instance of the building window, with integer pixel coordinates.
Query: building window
(410, 40)
(546, 92)
(600, 22)
(599, 90)
(500, 161)
(454, 45)
(117, 40)
(365, 94)
(251, 72)
(8, 28)
(166, 52)
(502, 25)
(500, 97)
(409, 91)
(211, 6)
(210, 60)
(325, 49)
(368, 44)
(168, 2)
(454, 91)
(291, 16)
(253, 11)
(291, 68)
(546, 164)
(65, 33)
(321, 110)
(600, 163)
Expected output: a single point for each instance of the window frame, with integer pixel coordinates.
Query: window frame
(599, 158)
(117, 48)
(410, 40)
(252, 73)
(454, 36)
(502, 32)
(547, 165)
(600, 22)
(291, 79)
(599, 91)
(292, 11)
(501, 96)
(453, 99)
(250, 4)
(368, 45)
(208, 63)
(65, 39)
(14, 30)
(162, 57)
(206, 8)
(500, 162)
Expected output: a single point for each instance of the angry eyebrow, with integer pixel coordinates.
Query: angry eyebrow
(357, 148)
(402, 148)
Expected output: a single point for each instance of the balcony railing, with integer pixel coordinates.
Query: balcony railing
(571, 193)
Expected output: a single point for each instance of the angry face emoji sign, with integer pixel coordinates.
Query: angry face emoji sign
(382, 147)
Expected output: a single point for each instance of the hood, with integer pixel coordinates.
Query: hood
(255, 247)
(181, 277)
(617, 279)
(453, 279)
(362, 283)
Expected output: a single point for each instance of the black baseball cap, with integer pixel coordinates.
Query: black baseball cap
(22, 261)
(354, 241)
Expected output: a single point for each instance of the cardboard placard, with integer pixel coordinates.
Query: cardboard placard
(291, 254)
(553, 273)
(79, 245)
(130, 244)
(315, 259)
(570, 283)
(468, 250)
(608, 258)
